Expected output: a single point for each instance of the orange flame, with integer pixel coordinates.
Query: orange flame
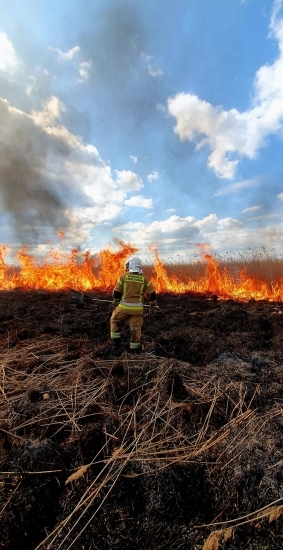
(62, 271)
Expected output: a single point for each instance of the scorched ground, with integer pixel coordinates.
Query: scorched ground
(177, 448)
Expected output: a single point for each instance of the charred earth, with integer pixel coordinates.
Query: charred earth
(178, 447)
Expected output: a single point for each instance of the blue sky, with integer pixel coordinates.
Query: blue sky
(155, 123)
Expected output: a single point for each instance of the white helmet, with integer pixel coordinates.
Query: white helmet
(134, 265)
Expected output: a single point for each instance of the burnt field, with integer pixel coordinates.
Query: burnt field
(179, 447)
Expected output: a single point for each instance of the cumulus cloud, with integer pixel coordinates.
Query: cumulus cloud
(180, 229)
(174, 227)
(153, 176)
(138, 200)
(183, 234)
(207, 223)
(134, 159)
(173, 224)
(231, 135)
(229, 223)
(128, 180)
(280, 196)
(50, 112)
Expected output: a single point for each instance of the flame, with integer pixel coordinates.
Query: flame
(62, 271)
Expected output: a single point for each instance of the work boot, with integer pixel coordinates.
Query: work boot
(135, 348)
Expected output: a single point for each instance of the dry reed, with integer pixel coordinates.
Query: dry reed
(150, 428)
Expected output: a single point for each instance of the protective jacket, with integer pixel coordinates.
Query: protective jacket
(130, 290)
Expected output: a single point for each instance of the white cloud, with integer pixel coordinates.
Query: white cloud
(172, 224)
(207, 223)
(280, 196)
(153, 176)
(139, 201)
(8, 58)
(74, 55)
(84, 68)
(146, 58)
(172, 234)
(231, 135)
(52, 109)
(161, 107)
(31, 86)
(152, 68)
(134, 159)
(170, 210)
(158, 230)
(128, 180)
(229, 223)
(182, 235)
(238, 186)
(251, 209)
(66, 56)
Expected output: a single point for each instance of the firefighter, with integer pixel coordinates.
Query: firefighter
(128, 297)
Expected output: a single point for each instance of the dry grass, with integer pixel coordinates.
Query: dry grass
(153, 429)
(260, 264)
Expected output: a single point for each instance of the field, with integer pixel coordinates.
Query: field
(179, 447)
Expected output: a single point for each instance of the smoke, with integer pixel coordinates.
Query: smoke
(115, 46)
(25, 189)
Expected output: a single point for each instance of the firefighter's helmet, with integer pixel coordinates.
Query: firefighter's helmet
(134, 264)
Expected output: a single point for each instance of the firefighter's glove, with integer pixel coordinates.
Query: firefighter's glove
(153, 306)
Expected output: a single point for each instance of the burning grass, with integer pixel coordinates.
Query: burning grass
(255, 275)
(262, 265)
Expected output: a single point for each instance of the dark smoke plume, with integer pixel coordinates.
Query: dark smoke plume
(25, 188)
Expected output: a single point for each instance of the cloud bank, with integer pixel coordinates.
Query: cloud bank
(231, 135)
(179, 236)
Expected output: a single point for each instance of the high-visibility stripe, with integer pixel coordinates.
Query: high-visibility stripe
(132, 308)
(131, 304)
(115, 335)
(135, 345)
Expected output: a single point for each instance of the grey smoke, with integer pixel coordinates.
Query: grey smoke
(25, 190)
(115, 46)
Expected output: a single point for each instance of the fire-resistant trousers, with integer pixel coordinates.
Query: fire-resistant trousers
(135, 321)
